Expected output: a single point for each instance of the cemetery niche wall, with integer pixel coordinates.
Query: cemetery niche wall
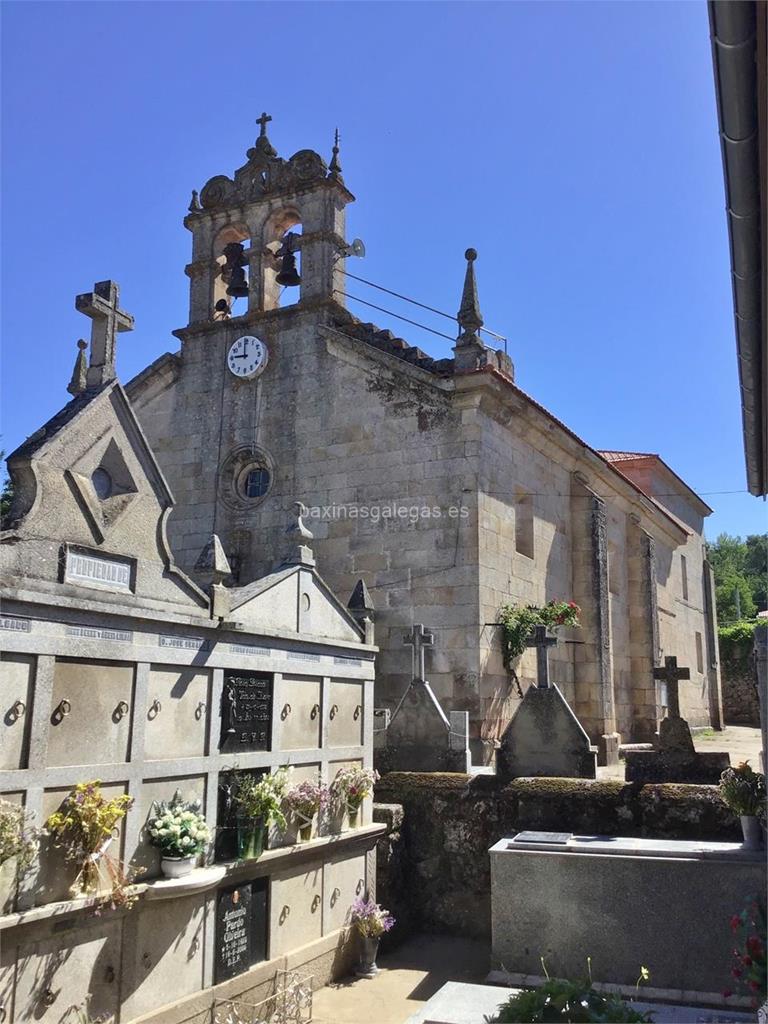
(117, 667)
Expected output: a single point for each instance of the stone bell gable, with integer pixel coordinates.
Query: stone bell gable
(90, 509)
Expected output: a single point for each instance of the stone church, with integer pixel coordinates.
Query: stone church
(439, 482)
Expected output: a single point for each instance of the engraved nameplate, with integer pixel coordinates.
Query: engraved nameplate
(233, 933)
(249, 649)
(12, 622)
(246, 712)
(97, 571)
(185, 643)
(341, 660)
(299, 656)
(96, 633)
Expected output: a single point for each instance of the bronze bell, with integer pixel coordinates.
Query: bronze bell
(238, 284)
(233, 273)
(288, 275)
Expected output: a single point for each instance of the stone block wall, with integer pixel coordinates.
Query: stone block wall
(434, 869)
(741, 704)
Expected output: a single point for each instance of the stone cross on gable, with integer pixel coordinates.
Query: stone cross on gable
(419, 638)
(542, 642)
(671, 675)
(102, 305)
(263, 121)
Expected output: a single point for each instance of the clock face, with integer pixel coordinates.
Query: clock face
(247, 357)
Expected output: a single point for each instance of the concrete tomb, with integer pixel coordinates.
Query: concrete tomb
(624, 902)
(545, 737)
(674, 758)
(419, 736)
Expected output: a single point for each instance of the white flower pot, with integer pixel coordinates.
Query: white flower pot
(177, 867)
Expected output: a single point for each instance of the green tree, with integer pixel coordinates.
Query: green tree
(740, 567)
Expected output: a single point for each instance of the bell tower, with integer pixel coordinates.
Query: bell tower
(245, 242)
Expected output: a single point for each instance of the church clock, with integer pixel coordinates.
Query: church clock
(247, 357)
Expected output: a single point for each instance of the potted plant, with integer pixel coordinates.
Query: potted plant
(371, 921)
(303, 802)
(257, 801)
(350, 787)
(85, 826)
(743, 791)
(178, 829)
(18, 846)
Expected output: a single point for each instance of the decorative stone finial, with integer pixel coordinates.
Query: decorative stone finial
(213, 561)
(361, 602)
(194, 204)
(469, 316)
(79, 380)
(299, 534)
(335, 167)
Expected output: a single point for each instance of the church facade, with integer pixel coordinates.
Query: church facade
(439, 482)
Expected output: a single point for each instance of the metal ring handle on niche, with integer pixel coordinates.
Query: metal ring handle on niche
(200, 710)
(122, 709)
(334, 896)
(358, 711)
(16, 711)
(63, 708)
(316, 901)
(314, 712)
(334, 710)
(3, 1015)
(154, 708)
(287, 709)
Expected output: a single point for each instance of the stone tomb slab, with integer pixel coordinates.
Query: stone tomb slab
(545, 738)
(624, 902)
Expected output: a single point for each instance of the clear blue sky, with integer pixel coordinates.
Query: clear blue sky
(573, 144)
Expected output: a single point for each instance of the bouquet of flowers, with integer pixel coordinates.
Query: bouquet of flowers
(18, 838)
(305, 800)
(85, 825)
(177, 827)
(370, 919)
(260, 797)
(743, 790)
(352, 785)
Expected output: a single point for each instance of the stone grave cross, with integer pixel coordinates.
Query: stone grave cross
(419, 639)
(542, 643)
(671, 675)
(102, 305)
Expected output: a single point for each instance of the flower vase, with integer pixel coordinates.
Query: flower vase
(752, 831)
(353, 815)
(250, 840)
(305, 831)
(177, 867)
(369, 948)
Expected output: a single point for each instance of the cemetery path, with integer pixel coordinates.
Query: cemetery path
(742, 742)
(408, 977)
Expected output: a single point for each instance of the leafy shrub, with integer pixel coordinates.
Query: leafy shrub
(518, 622)
(742, 789)
(567, 1001)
